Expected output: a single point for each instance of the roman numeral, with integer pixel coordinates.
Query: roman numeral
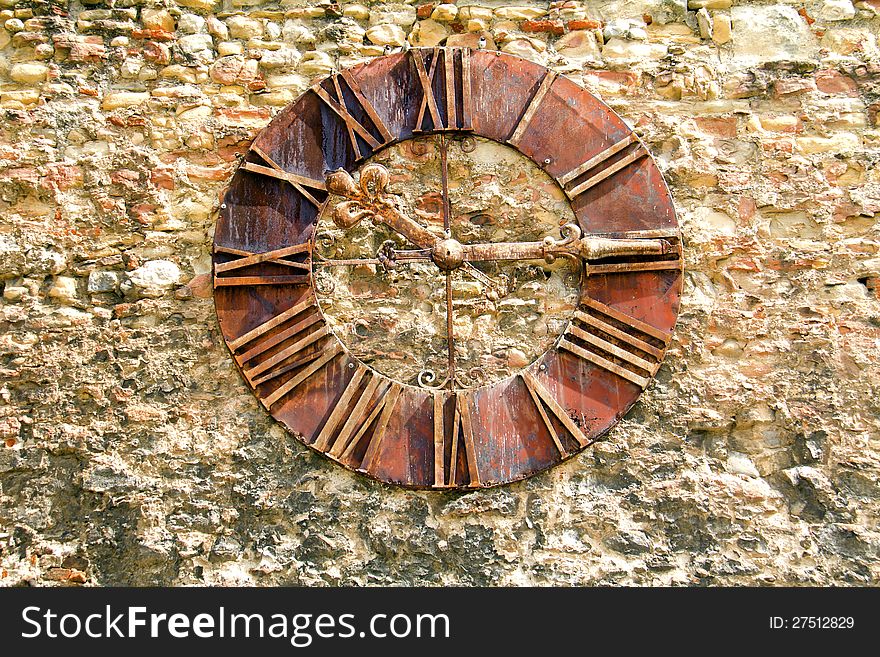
(531, 110)
(248, 258)
(615, 342)
(462, 435)
(353, 126)
(332, 352)
(229, 281)
(542, 398)
(670, 262)
(302, 184)
(294, 341)
(358, 409)
(453, 117)
(596, 160)
(245, 259)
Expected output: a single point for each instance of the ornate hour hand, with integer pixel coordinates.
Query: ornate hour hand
(368, 199)
(572, 245)
(450, 254)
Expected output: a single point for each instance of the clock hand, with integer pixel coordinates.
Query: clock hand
(450, 254)
(368, 199)
(444, 169)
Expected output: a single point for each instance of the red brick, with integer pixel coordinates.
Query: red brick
(424, 11)
(87, 52)
(155, 35)
(157, 52)
(61, 177)
(125, 177)
(793, 86)
(830, 81)
(23, 174)
(746, 208)
(162, 177)
(584, 25)
(143, 213)
(778, 144)
(552, 26)
(217, 174)
(719, 127)
(250, 114)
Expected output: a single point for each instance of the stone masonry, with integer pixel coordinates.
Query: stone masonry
(133, 453)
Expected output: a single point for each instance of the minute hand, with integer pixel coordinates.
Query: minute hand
(572, 245)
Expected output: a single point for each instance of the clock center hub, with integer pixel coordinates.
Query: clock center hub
(448, 254)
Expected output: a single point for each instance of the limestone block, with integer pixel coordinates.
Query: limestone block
(199, 5)
(155, 276)
(121, 99)
(357, 12)
(103, 281)
(721, 29)
(771, 33)
(660, 11)
(618, 49)
(709, 4)
(841, 142)
(157, 19)
(192, 24)
(444, 13)
(394, 14)
(519, 13)
(316, 63)
(63, 289)
(579, 44)
(428, 33)
(837, 10)
(26, 72)
(387, 34)
(244, 27)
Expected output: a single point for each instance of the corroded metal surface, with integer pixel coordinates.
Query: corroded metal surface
(455, 437)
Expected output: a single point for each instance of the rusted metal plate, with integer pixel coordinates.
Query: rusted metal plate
(451, 437)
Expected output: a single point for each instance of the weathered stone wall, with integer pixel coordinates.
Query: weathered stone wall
(134, 454)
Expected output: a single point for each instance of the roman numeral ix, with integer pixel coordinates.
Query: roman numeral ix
(244, 259)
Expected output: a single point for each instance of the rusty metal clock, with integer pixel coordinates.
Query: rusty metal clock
(447, 268)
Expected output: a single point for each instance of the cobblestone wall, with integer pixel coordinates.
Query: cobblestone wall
(133, 453)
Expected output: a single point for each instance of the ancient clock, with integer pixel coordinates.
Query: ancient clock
(447, 268)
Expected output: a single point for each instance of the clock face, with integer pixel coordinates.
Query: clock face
(447, 268)
(505, 315)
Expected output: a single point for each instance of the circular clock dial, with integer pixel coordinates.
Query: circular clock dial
(506, 213)
(503, 320)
